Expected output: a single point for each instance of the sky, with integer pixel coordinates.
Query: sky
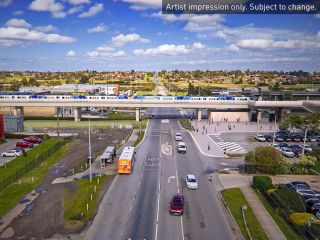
(120, 35)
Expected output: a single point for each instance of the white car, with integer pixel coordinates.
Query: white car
(287, 152)
(178, 137)
(260, 138)
(307, 148)
(182, 148)
(191, 182)
(276, 146)
(12, 153)
(306, 193)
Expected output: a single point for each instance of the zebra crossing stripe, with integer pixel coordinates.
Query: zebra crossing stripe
(230, 146)
(226, 144)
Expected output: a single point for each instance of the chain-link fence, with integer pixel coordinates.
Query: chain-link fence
(19, 172)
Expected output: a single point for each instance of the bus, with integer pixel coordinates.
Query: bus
(126, 160)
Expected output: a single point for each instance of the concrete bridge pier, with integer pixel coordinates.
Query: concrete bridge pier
(77, 114)
(137, 114)
(18, 111)
(199, 114)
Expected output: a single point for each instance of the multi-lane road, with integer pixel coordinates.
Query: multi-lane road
(137, 206)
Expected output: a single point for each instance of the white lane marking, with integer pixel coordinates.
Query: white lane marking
(130, 208)
(181, 228)
(165, 121)
(169, 178)
(158, 207)
(156, 237)
(177, 181)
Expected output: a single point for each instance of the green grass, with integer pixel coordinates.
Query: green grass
(284, 226)
(235, 199)
(316, 167)
(186, 124)
(30, 124)
(121, 116)
(139, 139)
(75, 203)
(19, 162)
(10, 196)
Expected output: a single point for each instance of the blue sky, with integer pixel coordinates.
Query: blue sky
(70, 35)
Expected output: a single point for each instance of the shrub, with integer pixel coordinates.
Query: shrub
(271, 190)
(299, 218)
(289, 200)
(262, 183)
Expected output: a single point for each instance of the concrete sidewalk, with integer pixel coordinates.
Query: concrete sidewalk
(268, 224)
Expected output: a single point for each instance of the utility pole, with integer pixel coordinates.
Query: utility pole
(58, 125)
(90, 155)
(304, 141)
(274, 130)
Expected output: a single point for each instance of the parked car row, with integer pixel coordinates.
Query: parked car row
(311, 197)
(27, 142)
(292, 150)
(284, 136)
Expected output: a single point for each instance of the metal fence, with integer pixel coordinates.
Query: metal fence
(7, 181)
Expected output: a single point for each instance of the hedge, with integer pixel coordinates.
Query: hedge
(287, 199)
(262, 183)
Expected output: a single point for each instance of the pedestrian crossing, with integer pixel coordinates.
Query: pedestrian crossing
(230, 146)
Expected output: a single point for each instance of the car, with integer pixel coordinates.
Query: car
(268, 138)
(276, 146)
(318, 214)
(283, 144)
(182, 148)
(287, 152)
(312, 205)
(297, 138)
(297, 152)
(260, 138)
(32, 140)
(178, 137)
(191, 182)
(306, 193)
(19, 148)
(299, 183)
(311, 138)
(177, 204)
(287, 138)
(12, 153)
(24, 144)
(307, 148)
(279, 138)
(297, 187)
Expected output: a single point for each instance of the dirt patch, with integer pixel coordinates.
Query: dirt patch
(45, 216)
(32, 111)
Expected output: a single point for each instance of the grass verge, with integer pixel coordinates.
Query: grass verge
(19, 162)
(285, 228)
(75, 203)
(139, 139)
(30, 124)
(235, 199)
(186, 124)
(10, 196)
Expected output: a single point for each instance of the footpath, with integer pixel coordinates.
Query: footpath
(243, 182)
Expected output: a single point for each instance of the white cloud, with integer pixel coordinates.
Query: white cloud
(71, 53)
(99, 28)
(233, 48)
(165, 49)
(24, 34)
(45, 29)
(15, 22)
(94, 10)
(122, 39)
(55, 8)
(5, 3)
(78, 2)
(198, 45)
(144, 4)
(106, 52)
(18, 13)
(75, 10)
(267, 44)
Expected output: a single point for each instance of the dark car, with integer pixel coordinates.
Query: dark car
(24, 144)
(312, 205)
(279, 138)
(32, 140)
(295, 146)
(177, 204)
(298, 184)
(297, 152)
(283, 144)
(268, 138)
(297, 138)
(287, 138)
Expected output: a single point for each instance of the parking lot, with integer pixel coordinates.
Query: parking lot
(11, 143)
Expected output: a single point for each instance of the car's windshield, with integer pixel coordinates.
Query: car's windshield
(177, 202)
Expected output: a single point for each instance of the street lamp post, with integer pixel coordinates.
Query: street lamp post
(304, 141)
(90, 154)
(274, 130)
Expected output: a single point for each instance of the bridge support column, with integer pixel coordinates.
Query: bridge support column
(77, 114)
(137, 114)
(199, 112)
(18, 111)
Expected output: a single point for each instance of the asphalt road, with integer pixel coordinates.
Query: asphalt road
(137, 205)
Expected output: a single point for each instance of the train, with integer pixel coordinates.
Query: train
(31, 96)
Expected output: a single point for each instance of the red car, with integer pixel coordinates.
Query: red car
(177, 204)
(32, 140)
(24, 144)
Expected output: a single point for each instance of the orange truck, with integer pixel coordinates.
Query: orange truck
(126, 160)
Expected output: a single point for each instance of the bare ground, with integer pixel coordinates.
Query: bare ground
(46, 216)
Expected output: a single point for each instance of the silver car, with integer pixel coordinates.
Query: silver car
(191, 182)
(287, 152)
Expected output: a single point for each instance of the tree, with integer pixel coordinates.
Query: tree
(24, 81)
(84, 79)
(307, 161)
(33, 82)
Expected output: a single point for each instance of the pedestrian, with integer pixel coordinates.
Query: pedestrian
(234, 126)
(215, 129)
(260, 127)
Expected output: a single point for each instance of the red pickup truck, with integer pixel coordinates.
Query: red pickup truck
(177, 204)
